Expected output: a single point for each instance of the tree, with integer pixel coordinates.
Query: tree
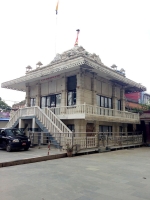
(3, 105)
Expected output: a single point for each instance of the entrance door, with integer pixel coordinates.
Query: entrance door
(90, 129)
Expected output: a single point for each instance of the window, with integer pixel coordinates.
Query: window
(104, 101)
(105, 129)
(71, 87)
(51, 101)
(48, 101)
(71, 127)
(71, 98)
(71, 83)
(32, 102)
(119, 105)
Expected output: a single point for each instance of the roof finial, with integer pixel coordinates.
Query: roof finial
(39, 64)
(76, 42)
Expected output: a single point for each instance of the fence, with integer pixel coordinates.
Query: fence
(82, 141)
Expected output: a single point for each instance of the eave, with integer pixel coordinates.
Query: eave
(71, 64)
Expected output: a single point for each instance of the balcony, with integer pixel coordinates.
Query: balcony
(90, 112)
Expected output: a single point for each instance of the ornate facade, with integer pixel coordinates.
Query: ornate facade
(82, 93)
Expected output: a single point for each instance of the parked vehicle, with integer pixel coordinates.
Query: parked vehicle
(13, 138)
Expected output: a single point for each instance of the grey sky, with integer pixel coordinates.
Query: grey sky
(117, 30)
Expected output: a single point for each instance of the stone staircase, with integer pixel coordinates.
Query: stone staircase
(45, 119)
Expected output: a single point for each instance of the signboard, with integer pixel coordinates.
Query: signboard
(4, 114)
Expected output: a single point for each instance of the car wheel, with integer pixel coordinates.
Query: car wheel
(4, 145)
(8, 148)
(26, 148)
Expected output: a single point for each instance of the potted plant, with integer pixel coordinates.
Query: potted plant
(69, 150)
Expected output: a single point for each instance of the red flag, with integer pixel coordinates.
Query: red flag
(76, 42)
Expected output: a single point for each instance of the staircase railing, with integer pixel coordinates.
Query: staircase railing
(56, 120)
(48, 118)
(13, 119)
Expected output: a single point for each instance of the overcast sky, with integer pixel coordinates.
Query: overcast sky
(117, 30)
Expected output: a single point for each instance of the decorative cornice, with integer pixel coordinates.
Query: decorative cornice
(67, 60)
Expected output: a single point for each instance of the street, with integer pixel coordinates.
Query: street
(116, 175)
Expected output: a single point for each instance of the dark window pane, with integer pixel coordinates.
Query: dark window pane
(53, 99)
(48, 101)
(100, 128)
(119, 105)
(71, 83)
(71, 127)
(110, 129)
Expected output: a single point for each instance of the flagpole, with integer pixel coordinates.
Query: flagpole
(56, 28)
(56, 36)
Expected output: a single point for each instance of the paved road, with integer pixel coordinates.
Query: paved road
(118, 175)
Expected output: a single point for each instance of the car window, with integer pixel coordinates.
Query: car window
(9, 132)
(13, 132)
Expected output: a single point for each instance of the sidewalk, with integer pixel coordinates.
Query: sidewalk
(32, 155)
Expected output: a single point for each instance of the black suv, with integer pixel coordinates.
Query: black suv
(13, 138)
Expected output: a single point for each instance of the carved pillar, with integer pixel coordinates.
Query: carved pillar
(21, 124)
(114, 97)
(28, 96)
(122, 98)
(63, 93)
(116, 129)
(38, 94)
(94, 90)
(80, 88)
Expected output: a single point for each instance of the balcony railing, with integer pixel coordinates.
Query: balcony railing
(84, 141)
(94, 110)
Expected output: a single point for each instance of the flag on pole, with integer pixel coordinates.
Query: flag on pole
(76, 42)
(57, 7)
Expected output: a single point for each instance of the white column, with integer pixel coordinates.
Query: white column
(122, 98)
(33, 124)
(94, 90)
(28, 96)
(114, 97)
(80, 88)
(21, 123)
(38, 94)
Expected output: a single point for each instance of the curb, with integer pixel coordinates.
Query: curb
(32, 160)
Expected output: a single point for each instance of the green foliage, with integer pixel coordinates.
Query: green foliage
(144, 107)
(3, 105)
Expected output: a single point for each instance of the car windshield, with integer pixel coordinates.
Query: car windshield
(13, 132)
